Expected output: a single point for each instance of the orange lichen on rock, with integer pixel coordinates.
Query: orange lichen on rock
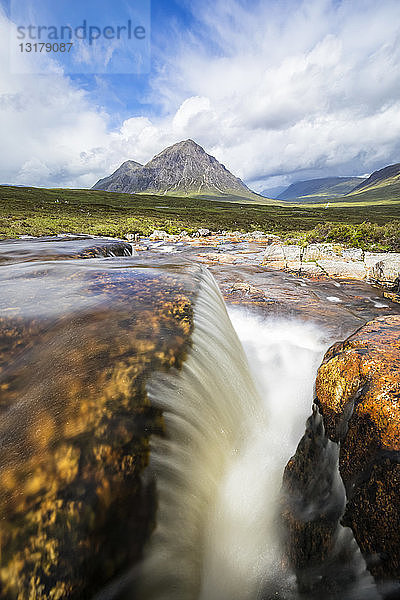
(364, 371)
(358, 392)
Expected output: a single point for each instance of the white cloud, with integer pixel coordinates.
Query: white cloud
(275, 92)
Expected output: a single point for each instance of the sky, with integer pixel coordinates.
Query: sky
(277, 90)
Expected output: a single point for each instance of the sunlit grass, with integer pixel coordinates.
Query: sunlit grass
(38, 211)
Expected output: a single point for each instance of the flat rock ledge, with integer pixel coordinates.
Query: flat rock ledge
(335, 260)
(358, 393)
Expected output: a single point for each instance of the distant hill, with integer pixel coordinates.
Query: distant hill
(383, 177)
(184, 169)
(381, 187)
(313, 190)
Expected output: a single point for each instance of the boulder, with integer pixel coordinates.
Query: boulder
(160, 234)
(133, 237)
(343, 268)
(274, 257)
(314, 252)
(312, 269)
(358, 391)
(386, 272)
(355, 254)
(371, 258)
(292, 253)
(256, 235)
(202, 232)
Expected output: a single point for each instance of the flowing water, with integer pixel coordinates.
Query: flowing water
(81, 342)
(233, 422)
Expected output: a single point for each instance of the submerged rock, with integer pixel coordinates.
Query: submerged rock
(78, 342)
(358, 391)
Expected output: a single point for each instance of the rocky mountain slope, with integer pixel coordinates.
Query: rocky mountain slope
(120, 179)
(319, 189)
(184, 169)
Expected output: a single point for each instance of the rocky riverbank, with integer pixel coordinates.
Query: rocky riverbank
(319, 260)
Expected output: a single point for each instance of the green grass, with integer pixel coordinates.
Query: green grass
(38, 211)
(368, 236)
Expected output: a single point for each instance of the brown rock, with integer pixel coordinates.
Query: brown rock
(358, 391)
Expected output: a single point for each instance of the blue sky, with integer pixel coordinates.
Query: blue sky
(277, 90)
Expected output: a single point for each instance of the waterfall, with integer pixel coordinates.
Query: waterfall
(233, 416)
(208, 408)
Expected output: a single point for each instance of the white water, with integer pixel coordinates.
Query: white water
(233, 420)
(242, 540)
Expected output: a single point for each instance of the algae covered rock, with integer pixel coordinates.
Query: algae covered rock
(358, 391)
(78, 341)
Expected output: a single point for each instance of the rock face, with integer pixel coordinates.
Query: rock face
(358, 392)
(317, 547)
(312, 504)
(182, 169)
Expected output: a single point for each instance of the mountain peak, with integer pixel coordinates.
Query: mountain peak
(185, 148)
(183, 169)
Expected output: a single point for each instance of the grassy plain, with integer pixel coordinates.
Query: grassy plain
(39, 211)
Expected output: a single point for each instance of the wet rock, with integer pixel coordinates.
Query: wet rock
(247, 289)
(75, 507)
(313, 499)
(218, 257)
(358, 391)
(318, 548)
(107, 250)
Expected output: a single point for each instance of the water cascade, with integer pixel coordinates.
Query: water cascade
(103, 359)
(233, 419)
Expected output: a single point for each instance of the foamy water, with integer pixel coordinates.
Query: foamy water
(234, 416)
(242, 538)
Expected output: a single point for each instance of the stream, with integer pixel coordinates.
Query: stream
(149, 406)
